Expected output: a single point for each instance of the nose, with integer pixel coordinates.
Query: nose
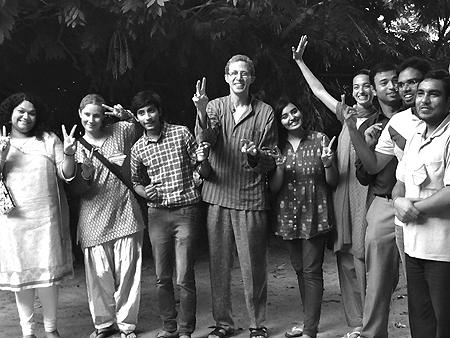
(392, 85)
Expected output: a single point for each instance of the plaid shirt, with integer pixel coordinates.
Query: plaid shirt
(235, 182)
(168, 161)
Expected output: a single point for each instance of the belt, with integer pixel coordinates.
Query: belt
(386, 196)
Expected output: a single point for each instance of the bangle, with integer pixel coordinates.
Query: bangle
(327, 166)
(86, 178)
(68, 154)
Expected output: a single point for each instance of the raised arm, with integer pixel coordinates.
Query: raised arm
(316, 86)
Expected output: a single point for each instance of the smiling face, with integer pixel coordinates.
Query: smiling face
(291, 118)
(239, 78)
(431, 103)
(92, 116)
(408, 81)
(362, 90)
(386, 87)
(150, 118)
(23, 118)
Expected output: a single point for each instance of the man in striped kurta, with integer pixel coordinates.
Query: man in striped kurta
(238, 126)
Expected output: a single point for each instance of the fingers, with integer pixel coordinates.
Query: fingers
(197, 88)
(200, 87)
(324, 142)
(203, 88)
(72, 132)
(332, 142)
(343, 98)
(111, 109)
(64, 132)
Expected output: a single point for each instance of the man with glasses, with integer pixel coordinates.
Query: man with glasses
(384, 240)
(237, 126)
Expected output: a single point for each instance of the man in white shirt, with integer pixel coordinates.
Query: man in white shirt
(422, 201)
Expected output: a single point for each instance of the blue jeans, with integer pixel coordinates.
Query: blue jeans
(172, 234)
(428, 297)
(307, 260)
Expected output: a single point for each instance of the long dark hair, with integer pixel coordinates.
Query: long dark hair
(42, 114)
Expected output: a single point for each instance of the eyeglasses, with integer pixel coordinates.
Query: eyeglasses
(243, 74)
(409, 83)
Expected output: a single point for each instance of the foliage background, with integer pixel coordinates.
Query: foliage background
(64, 49)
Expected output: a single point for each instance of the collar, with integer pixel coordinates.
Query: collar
(155, 139)
(443, 126)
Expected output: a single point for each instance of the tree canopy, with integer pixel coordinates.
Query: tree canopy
(64, 49)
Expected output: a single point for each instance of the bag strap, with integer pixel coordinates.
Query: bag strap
(106, 163)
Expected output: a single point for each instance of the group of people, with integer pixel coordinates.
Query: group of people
(381, 196)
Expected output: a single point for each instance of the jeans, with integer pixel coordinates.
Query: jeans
(428, 297)
(307, 259)
(172, 234)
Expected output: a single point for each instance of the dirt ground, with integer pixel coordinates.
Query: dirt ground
(283, 310)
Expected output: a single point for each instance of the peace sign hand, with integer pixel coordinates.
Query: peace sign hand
(4, 139)
(118, 111)
(70, 143)
(200, 98)
(327, 152)
(297, 53)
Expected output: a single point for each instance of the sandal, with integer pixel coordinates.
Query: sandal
(220, 332)
(167, 334)
(103, 333)
(130, 334)
(296, 331)
(258, 332)
(354, 334)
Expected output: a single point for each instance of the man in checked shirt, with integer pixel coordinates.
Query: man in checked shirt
(237, 126)
(167, 154)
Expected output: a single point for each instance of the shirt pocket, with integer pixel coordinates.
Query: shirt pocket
(435, 173)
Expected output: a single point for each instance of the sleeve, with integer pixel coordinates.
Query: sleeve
(400, 172)
(385, 144)
(447, 163)
(362, 175)
(213, 125)
(191, 145)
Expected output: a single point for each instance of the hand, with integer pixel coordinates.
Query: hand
(70, 143)
(151, 191)
(4, 139)
(87, 167)
(327, 152)
(405, 209)
(202, 151)
(350, 114)
(249, 147)
(297, 53)
(372, 134)
(119, 112)
(200, 99)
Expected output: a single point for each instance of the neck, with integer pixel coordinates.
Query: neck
(388, 109)
(18, 135)
(242, 99)
(299, 133)
(154, 132)
(94, 136)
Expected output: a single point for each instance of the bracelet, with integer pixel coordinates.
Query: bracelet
(86, 179)
(327, 166)
(69, 154)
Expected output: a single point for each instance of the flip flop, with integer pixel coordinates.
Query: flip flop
(296, 331)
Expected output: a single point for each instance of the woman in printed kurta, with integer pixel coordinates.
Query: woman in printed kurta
(304, 207)
(35, 246)
(110, 226)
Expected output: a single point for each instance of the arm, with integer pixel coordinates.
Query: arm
(436, 203)
(276, 178)
(317, 88)
(372, 161)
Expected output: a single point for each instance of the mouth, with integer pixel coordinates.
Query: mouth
(408, 97)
